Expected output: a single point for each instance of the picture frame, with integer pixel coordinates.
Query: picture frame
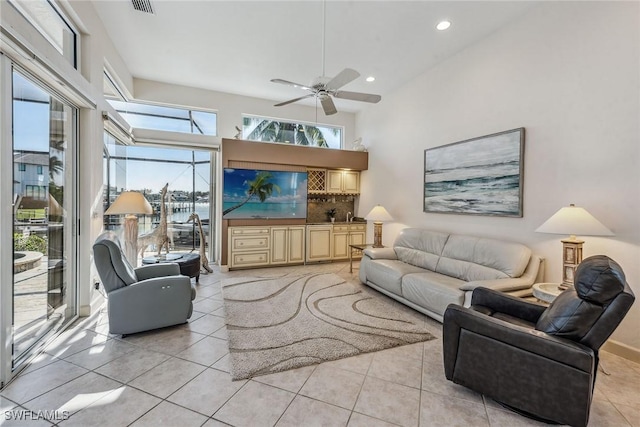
(478, 176)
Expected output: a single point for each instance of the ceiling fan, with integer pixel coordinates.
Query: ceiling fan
(324, 88)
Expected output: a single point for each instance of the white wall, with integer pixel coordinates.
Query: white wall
(569, 72)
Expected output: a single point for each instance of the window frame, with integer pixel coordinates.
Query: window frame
(74, 59)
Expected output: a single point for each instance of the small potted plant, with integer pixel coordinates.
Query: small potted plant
(331, 213)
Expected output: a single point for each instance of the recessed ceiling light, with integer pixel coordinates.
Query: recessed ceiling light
(370, 79)
(443, 25)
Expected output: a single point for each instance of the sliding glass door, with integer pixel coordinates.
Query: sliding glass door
(43, 289)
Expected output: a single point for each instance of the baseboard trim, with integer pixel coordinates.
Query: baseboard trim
(622, 350)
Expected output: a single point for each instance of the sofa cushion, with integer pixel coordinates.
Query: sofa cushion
(420, 247)
(387, 273)
(432, 291)
(473, 258)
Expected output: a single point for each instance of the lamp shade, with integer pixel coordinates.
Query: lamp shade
(574, 220)
(378, 214)
(129, 202)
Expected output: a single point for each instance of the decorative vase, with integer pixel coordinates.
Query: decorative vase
(333, 220)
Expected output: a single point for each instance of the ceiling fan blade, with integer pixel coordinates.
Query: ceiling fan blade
(327, 105)
(345, 76)
(292, 84)
(293, 100)
(357, 96)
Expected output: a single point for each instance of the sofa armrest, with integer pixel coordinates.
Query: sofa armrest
(150, 304)
(554, 348)
(380, 253)
(150, 271)
(504, 285)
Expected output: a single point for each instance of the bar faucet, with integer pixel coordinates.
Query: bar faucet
(349, 214)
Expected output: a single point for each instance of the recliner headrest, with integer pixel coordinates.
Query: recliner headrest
(599, 279)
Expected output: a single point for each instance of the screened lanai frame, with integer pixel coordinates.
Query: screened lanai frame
(197, 164)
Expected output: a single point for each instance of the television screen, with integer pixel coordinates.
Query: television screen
(260, 194)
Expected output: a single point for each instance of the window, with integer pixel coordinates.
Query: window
(166, 118)
(52, 24)
(22, 167)
(275, 130)
(39, 169)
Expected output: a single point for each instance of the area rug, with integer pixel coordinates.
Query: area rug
(276, 324)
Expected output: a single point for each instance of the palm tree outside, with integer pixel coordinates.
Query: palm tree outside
(271, 130)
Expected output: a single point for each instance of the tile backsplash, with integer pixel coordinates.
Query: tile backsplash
(317, 207)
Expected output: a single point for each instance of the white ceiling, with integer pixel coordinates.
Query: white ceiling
(238, 46)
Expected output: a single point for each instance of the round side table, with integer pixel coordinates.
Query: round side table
(546, 292)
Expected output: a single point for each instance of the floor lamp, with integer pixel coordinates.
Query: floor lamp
(378, 215)
(572, 220)
(130, 204)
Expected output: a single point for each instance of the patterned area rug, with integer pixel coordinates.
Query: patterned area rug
(276, 324)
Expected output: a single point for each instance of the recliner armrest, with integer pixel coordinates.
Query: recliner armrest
(157, 270)
(551, 347)
(507, 304)
(380, 253)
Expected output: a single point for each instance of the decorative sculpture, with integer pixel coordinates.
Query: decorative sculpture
(204, 261)
(159, 234)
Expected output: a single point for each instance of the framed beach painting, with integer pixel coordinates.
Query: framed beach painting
(479, 176)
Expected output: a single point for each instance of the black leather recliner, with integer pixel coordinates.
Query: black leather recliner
(539, 361)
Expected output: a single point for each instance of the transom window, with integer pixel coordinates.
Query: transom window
(275, 130)
(45, 16)
(166, 118)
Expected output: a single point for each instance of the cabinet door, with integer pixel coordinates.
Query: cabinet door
(318, 243)
(340, 245)
(334, 181)
(279, 245)
(357, 238)
(351, 182)
(296, 244)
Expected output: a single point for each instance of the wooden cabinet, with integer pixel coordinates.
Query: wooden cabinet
(323, 181)
(249, 246)
(346, 182)
(319, 242)
(345, 235)
(287, 244)
(259, 246)
(269, 245)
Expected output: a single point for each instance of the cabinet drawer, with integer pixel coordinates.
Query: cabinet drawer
(247, 243)
(340, 228)
(250, 258)
(357, 227)
(248, 231)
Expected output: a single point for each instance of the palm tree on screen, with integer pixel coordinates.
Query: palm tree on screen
(260, 187)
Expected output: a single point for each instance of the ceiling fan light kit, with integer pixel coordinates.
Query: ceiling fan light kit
(324, 88)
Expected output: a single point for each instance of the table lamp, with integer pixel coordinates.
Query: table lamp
(572, 220)
(130, 204)
(378, 214)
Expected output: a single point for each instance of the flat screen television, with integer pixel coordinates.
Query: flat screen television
(261, 194)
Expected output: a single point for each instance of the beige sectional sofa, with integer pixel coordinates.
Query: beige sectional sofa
(428, 270)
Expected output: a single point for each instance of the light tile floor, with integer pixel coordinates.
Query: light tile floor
(179, 377)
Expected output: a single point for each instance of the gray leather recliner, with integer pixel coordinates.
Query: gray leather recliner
(150, 297)
(539, 361)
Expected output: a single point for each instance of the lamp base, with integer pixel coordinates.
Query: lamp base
(571, 258)
(377, 235)
(131, 239)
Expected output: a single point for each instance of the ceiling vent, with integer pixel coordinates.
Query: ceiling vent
(142, 6)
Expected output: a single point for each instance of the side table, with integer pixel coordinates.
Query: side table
(357, 248)
(546, 292)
